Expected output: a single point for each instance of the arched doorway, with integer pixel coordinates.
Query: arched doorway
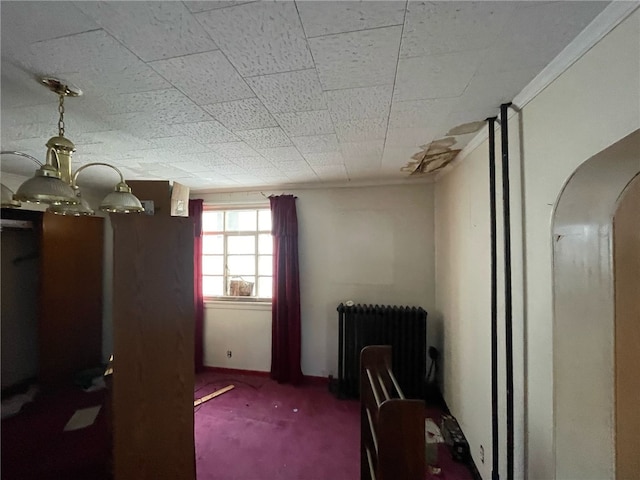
(584, 334)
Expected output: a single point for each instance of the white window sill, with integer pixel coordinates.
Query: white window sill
(232, 303)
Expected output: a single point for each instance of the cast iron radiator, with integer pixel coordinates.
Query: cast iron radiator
(404, 328)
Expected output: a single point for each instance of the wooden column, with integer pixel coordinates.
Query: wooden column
(153, 326)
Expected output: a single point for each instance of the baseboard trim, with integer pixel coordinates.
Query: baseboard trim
(308, 379)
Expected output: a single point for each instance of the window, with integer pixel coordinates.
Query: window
(237, 253)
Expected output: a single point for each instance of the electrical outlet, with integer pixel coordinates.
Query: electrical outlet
(228, 353)
(481, 453)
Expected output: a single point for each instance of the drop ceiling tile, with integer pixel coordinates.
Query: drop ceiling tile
(181, 144)
(357, 59)
(295, 124)
(36, 21)
(233, 149)
(20, 89)
(435, 76)
(244, 114)
(409, 137)
(435, 28)
(259, 38)
(289, 168)
(324, 18)
(358, 103)
(397, 157)
(421, 113)
(151, 155)
(138, 123)
(132, 79)
(253, 163)
(316, 143)
(168, 106)
(151, 30)
(265, 137)
(362, 154)
(326, 158)
(363, 129)
(331, 172)
(282, 154)
(206, 5)
(537, 32)
(192, 167)
(289, 91)
(211, 159)
(165, 170)
(228, 169)
(95, 50)
(204, 77)
(207, 132)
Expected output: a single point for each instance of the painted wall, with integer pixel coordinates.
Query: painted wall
(366, 244)
(593, 104)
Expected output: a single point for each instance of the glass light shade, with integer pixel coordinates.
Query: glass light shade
(121, 201)
(77, 210)
(7, 198)
(45, 187)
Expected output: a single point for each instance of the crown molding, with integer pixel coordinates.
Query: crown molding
(612, 16)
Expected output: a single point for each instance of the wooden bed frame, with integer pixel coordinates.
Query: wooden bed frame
(392, 439)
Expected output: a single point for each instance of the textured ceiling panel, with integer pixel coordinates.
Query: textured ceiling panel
(435, 76)
(204, 77)
(207, 132)
(324, 18)
(434, 28)
(326, 158)
(95, 50)
(409, 137)
(180, 144)
(537, 32)
(229, 91)
(259, 38)
(233, 149)
(362, 129)
(206, 5)
(35, 21)
(296, 124)
(316, 143)
(421, 113)
(290, 91)
(357, 103)
(151, 30)
(265, 137)
(357, 59)
(242, 114)
(134, 78)
(282, 154)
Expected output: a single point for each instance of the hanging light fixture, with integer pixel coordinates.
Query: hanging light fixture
(55, 184)
(7, 193)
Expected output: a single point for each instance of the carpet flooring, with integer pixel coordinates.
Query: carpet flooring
(264, 430)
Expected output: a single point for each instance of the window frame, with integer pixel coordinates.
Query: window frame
(225, 235)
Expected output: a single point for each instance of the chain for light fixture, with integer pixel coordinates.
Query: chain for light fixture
(61, 112)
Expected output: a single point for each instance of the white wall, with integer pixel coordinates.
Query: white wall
(366, 244)
(593, 104)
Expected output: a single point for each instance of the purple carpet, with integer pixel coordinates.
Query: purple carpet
(264, 430)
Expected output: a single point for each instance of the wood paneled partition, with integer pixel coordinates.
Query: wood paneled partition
(70, 310)
(153, 327)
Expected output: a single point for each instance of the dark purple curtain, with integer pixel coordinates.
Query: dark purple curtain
(285, 327)
(195, 212)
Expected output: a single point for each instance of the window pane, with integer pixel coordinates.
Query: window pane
(265, 287)
(264, 220)
(213, 244)
(241, 220)
(212, 221)
(212, 286)
(265, 244)
(241, 244)
(212, 264)
(241, 264)
(265, 265)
